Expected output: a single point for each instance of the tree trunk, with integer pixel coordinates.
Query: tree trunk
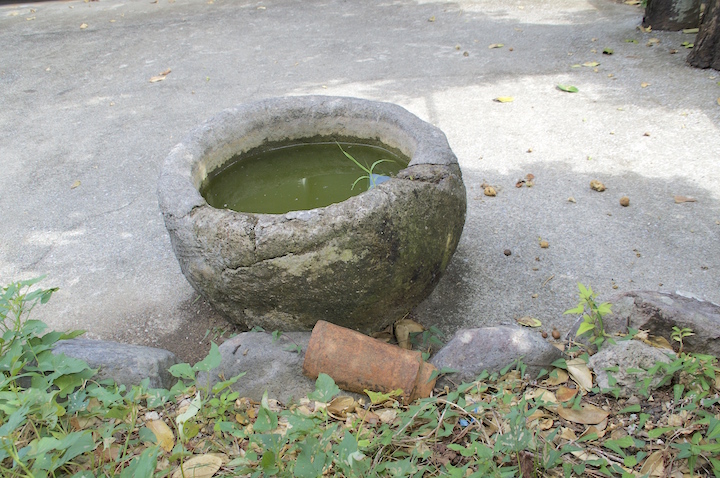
(706, 53)
(672, 15)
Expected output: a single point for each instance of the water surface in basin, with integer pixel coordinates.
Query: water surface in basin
(297, 177)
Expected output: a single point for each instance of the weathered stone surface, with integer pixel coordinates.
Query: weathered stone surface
(471, 351)
(658, 312)
(124, 363)
(627, 354)
(270, 365)
(361, 263)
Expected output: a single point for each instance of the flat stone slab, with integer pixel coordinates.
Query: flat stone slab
(659, 312)
(271, 365)
(625, 355)
(471, 351)
(126, 364)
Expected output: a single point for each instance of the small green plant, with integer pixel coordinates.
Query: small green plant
(678, 334)
(369, 175)
(426, 340)
(57, 419)
(593, 314)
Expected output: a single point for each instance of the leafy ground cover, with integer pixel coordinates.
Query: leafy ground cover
(56, 419)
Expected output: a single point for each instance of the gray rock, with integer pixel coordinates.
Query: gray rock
(471, 351)
(361, 263)
(625, 355)
(124, 363)
(269, 365)
(658, 312)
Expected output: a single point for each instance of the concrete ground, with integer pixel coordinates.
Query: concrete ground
(83, 133)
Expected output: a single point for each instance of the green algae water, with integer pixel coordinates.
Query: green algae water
(296, 177)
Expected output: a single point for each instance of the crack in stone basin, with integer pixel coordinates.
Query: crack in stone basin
(360, 263)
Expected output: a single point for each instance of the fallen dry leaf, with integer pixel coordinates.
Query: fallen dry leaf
(545, 395)
(579, 371)
(564, 393)
(583, 455)
(504, 99)
(536, 415)
(340, 406)
(403, 329)
(568, 434)
(83, 26)
(386, 335)
(203, 466)
(675, 420)
(368, 417)
(75, 184)
(654, 465)
(588, 414)
(537, 392)
(681, 199)
(597, 430)
(546, 424)
(529, 321)
(496, 45)
(556, 377)
(644, 84)
(544, 244)
(163, 433)
(79, 423)
(657, 341)
(161, 76)
(591, 64)
(387, 415)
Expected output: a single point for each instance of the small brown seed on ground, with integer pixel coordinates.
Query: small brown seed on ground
(624, 201)
(556, 334)
(544, 244)
(490, 191)
(507, 252)
(544, 335)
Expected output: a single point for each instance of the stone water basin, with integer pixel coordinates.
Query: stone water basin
(361, 263)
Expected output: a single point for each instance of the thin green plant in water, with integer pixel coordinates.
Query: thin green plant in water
(371, 177)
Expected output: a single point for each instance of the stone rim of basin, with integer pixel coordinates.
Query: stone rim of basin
(411, 222)
(423, 143)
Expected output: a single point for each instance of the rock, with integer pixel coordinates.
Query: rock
(271, 366)
(627, 354)
(126, 364)
(658, 312)
(361, 263)
(471, 351)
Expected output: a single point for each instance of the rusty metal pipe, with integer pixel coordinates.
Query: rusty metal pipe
(357, 362)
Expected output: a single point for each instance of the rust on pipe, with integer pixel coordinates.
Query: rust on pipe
(357, 362)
